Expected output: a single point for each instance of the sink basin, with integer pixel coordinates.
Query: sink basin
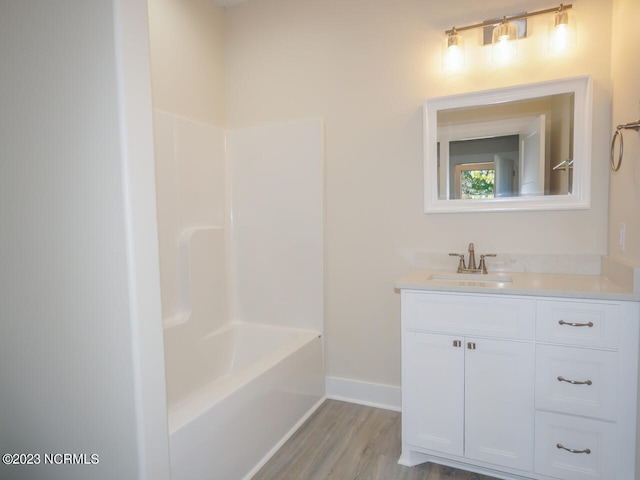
(472, 277)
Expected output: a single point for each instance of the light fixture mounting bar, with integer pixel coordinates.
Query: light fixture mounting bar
(511, 17)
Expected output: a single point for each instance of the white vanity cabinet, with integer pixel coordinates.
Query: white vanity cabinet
(468, 363)
(451, 375)
(520, 387)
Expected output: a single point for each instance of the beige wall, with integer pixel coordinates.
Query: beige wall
(365, 67)
(187, 67)
(625, 184)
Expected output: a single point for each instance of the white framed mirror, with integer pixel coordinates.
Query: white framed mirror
(525, 147)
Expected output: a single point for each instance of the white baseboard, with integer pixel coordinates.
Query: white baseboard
(364, 393)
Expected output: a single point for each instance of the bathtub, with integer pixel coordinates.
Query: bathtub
(235, 395)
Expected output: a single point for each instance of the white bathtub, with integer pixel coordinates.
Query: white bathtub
(236, 395)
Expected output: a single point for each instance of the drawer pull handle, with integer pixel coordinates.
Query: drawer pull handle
(586, 450)
(572, 324)
(575, 382)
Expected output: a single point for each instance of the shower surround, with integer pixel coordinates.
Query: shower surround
(241, 255)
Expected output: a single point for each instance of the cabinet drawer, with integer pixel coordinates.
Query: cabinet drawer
(473, 315)
(577, 381)
(578, 323)
(554, 431)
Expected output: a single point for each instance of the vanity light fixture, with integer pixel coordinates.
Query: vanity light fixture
(505, 32)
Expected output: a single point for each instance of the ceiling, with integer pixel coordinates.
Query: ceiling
(228, 3)
(499, 7)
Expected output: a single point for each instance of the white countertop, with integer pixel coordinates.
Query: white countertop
(595, 287)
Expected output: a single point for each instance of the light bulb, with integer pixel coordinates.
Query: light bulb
(504, 38)
(453, 52)
(562, 34)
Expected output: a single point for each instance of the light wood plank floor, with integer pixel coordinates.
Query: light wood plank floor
(344, 441)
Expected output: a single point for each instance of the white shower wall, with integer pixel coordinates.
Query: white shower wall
(277, 217)
(192, 198)
(248, 252)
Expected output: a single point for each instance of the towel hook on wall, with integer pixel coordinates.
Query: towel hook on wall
(628, 126)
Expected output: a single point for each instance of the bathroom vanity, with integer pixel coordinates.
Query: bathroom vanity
(533, 377)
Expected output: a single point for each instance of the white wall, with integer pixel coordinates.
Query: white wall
(80, 349)
(187, 59)
(624, 200)
(365, 67)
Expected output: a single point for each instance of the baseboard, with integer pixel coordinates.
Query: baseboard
(364, 393)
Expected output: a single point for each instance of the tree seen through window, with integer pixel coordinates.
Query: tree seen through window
(477, 183)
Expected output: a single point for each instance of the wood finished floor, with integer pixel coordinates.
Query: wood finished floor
(344, 441)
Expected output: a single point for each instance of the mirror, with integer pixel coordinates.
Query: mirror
(517, 148)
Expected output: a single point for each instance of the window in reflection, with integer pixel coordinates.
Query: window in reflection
(484, 167)
(475, 180)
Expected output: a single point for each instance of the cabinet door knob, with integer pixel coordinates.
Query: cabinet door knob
(471, 345)
(572, 324)
(586, 450)
(575, 382)
(457, 343)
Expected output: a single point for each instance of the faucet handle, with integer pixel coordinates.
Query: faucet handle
(461, 265)
(483, 265)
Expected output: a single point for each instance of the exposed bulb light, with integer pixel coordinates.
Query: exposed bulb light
(562, 32)
(562, 36)
(453, 52)
(504, 47)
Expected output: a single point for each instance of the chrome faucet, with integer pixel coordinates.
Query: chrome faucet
(472, 268)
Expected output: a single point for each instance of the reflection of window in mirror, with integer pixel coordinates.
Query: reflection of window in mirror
(500, 152)
(475, 180)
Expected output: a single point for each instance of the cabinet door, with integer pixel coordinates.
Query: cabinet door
(499, 410)
(433, 394)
